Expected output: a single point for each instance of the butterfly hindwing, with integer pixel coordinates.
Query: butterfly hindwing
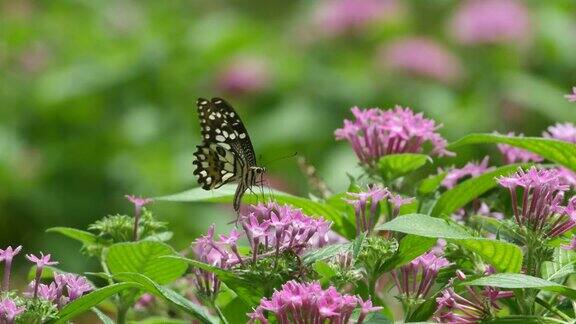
(215, 165)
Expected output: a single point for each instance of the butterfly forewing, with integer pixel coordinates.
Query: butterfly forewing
(226, 153)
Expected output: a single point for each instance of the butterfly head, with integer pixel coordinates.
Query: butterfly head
(258, 169)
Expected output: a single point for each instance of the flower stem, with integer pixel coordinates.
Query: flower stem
(6, 280)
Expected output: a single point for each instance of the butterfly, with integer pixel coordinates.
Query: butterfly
(226, 153)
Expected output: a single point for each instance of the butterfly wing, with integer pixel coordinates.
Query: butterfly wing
(215, 165)
(221, 124)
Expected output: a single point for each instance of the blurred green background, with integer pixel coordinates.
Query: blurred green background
(97, 97)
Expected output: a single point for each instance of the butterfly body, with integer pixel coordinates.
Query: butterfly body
(226, 153)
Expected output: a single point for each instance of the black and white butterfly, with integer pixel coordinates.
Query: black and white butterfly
(226, 153)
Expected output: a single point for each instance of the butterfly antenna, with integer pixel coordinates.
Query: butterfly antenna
(289, 156)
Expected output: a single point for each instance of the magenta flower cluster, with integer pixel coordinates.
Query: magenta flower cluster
(65, 288)
(541, 207)
(415, 279)
(375, 133)
(471, 169)
(369, 201)
(514, 154)
(9, 311)
(309, 303)
(478, 305)
(270, 228)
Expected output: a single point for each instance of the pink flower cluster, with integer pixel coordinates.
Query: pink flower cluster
(270, 228)
(540, 208)
(571, 97)
(421, 57)
(515, 155)
(375, 133)
(415, 279)
(309, 303)
(491, 22)
(9, 311)
(478, 306)
(337, 17)
(471, 169)
(65, 288)
(564, 132)
(244, 75)
(371, 198)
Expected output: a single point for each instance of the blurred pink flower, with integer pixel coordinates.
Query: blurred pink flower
(491, 22)
(571, 97)
(245, 75)
(421, 57)
(563, 132)
(571, 245)
(471, 169)
(514, 154)
(337, 17)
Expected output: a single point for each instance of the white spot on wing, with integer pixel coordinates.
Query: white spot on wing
(220, 138)
(242, 135)
(203, 173)
(227, 176)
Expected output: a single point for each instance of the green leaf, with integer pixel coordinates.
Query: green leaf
(160, 237)
(410, 247)
(468, 190)
(504, 256)
(160, 320)
(560, 152)
(431, 184)
(326, 252)
(167, 294)
(518, 280)
(396, 165)
(495, 226)
(144, 257)
(563, 265)
(83, 237)
(249, 292)
(522, 319)
(92, 299)
(324, 270)
(102, 317)
(225, 194)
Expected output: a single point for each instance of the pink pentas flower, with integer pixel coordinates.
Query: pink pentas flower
(244, 75)
(491, 22)
(138, 202)
(514, 154)
(562, 131)
(571, 97)
(6, 256)
(471, 169)
(308, 303)
(144, 302)
(415, 279)
(375, 133)
(9, 310)
(75, 285)
(470, 306)
(337, 17)
(421, 57)
(361, 200)
(540, 208)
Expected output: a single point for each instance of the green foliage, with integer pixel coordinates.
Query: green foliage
(92, 299)
(396, 165)
(562, 265)
(502, 255)
(517, 280)
(145, 258)
(468, 190)
(560, 152)
(120, 228)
